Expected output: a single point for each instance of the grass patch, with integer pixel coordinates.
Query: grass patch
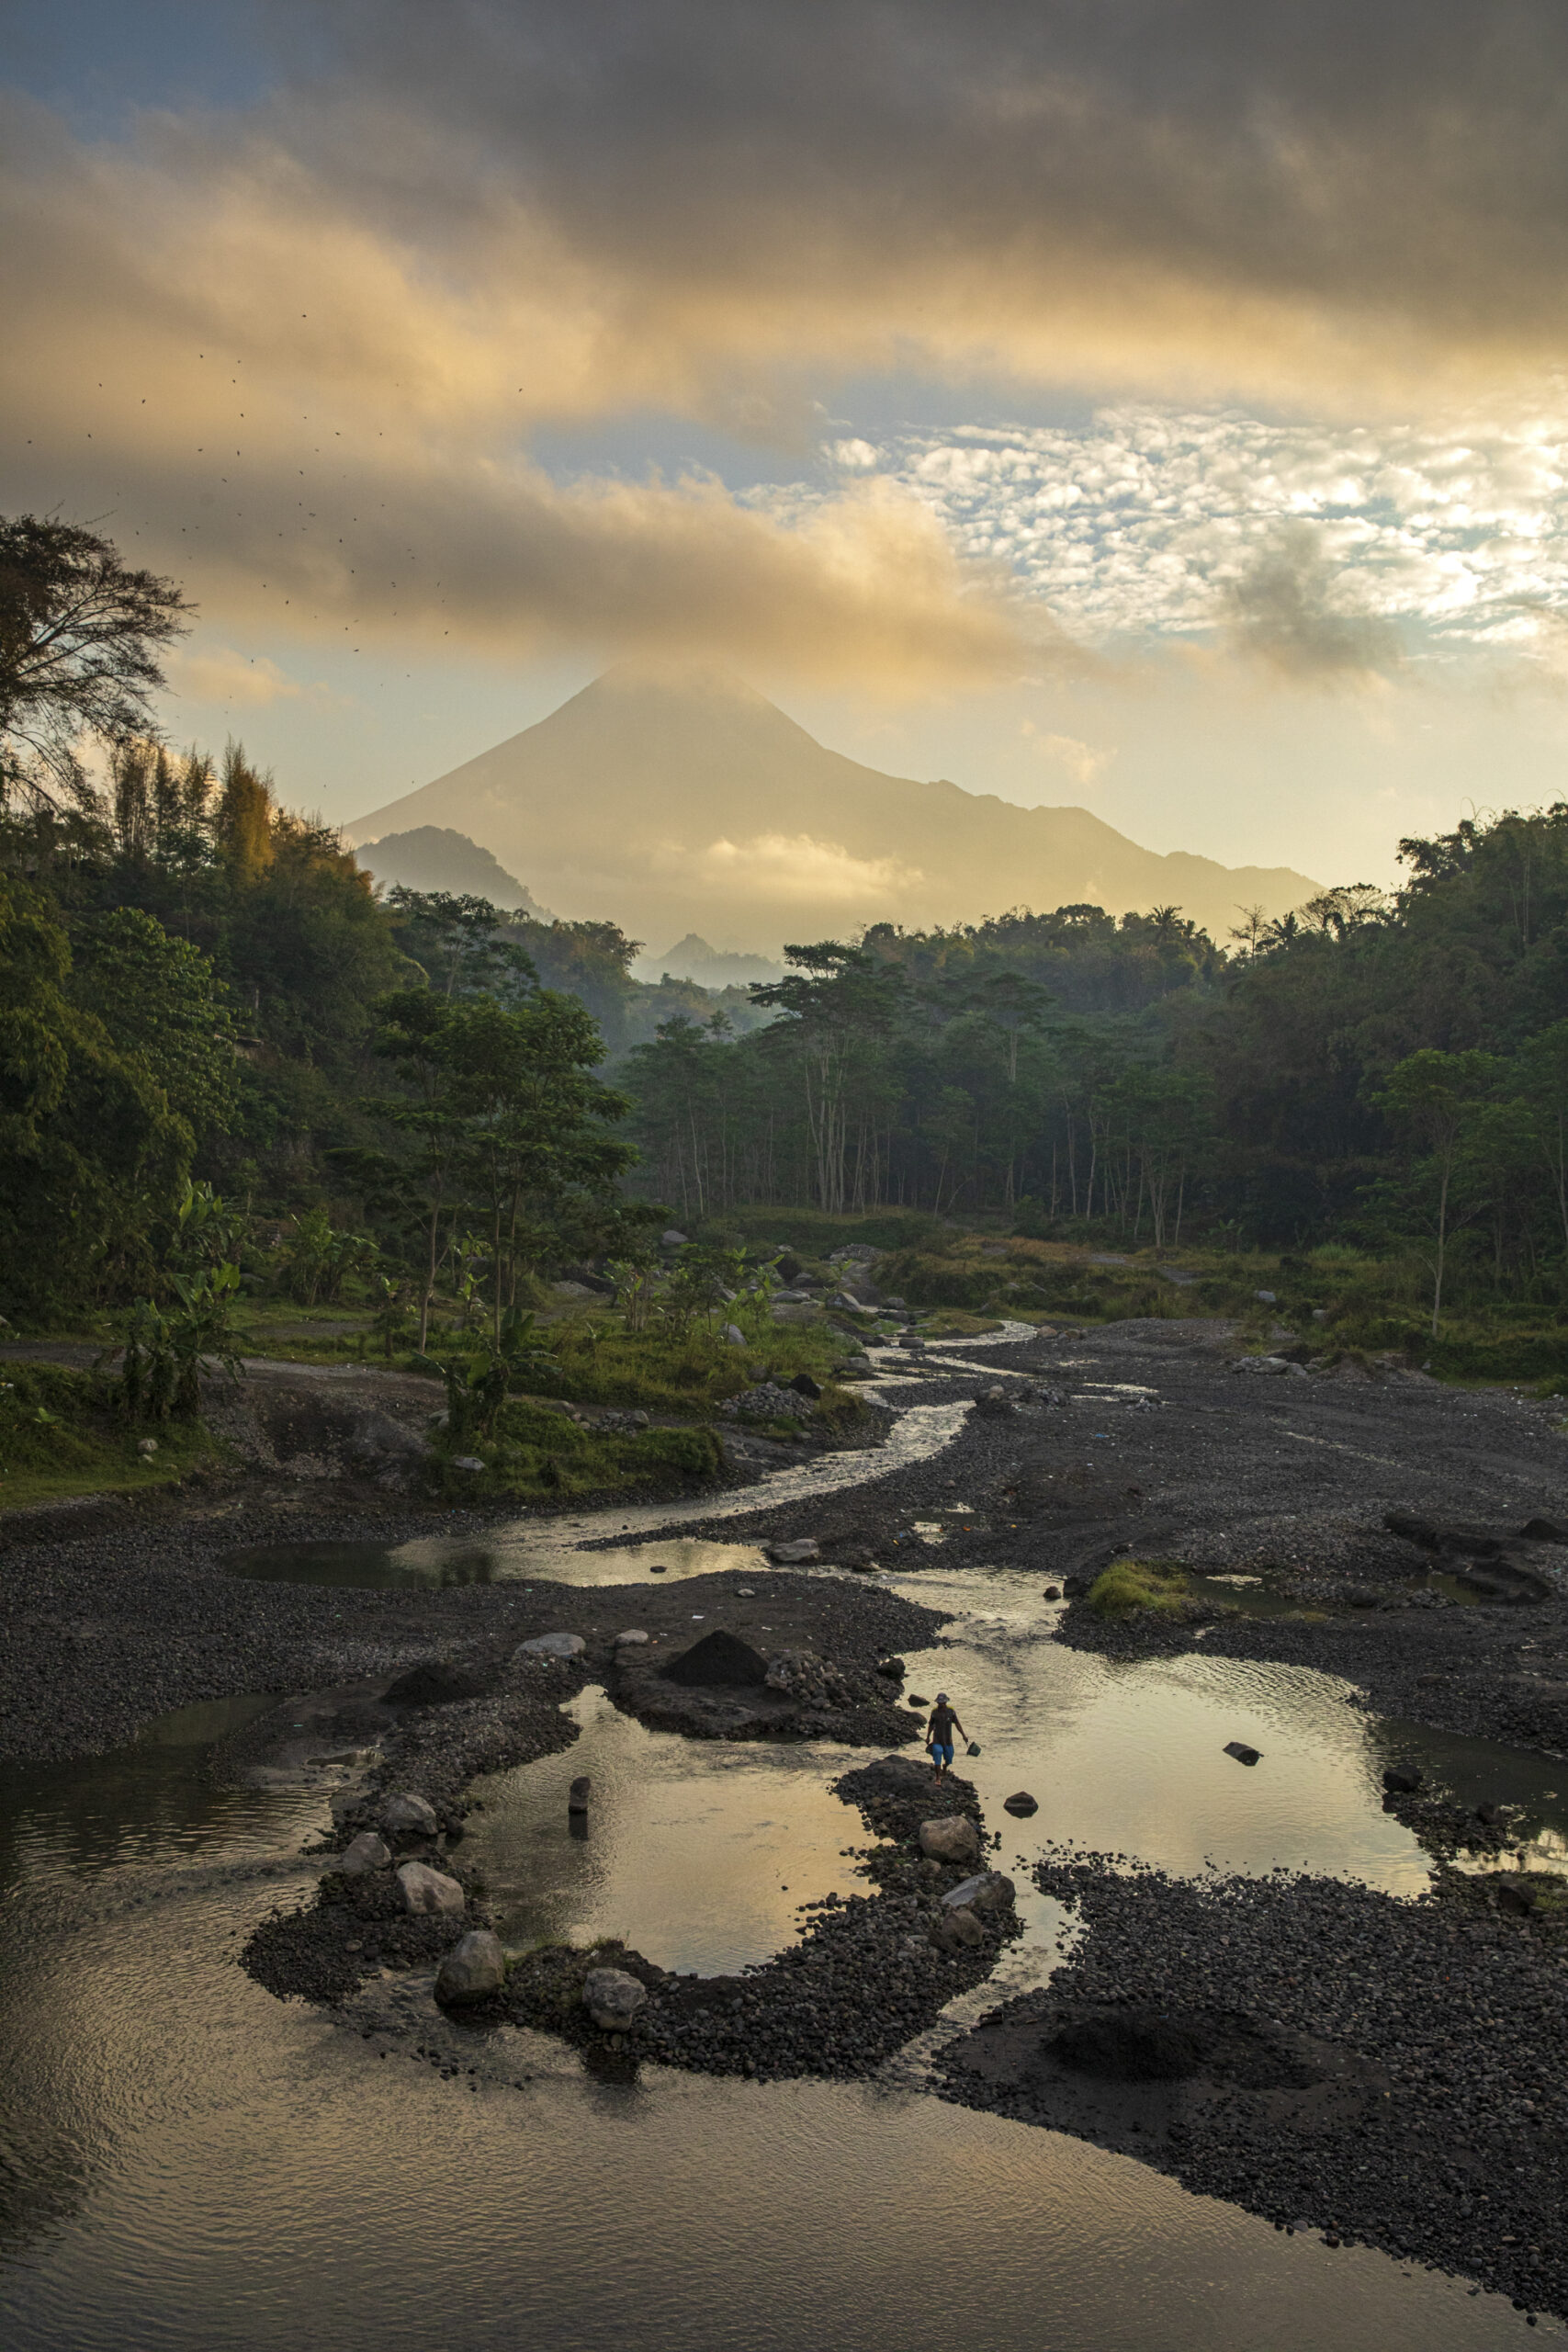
(1128, 1586)
(540, 1456)
(59, 1436)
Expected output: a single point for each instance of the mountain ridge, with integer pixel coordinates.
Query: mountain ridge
(695, 805)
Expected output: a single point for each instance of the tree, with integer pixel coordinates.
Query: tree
(1432, 1096)
(840, 1003)
(79, 637)
(535, 1145)
(161, 1002)
(92, 1160)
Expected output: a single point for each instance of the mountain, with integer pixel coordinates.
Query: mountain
(712, 967)
(433, 857)
(665, 803)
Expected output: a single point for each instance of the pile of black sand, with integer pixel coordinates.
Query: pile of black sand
(719, 1661)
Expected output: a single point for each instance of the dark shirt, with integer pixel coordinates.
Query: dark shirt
(940, 1727)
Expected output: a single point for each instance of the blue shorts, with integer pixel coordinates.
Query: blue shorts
(941, 1753)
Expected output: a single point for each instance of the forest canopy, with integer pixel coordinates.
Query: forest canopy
(200, 987)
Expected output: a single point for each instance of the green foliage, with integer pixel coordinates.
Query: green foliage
(1128, 1586)
(166, 1352)
(59, 1436)
(92, 1158)
(537, 1455)
(162, 1003)
(318, 1260)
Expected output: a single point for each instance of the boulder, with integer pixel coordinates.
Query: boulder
(1052, 1592)
(804, 1385)
(1275, 1364)
(1021, 1804)
(958, 1931)
(734, 1335)
(719, 1661)
(1404, 1780)
(473, 1969)
(364, 1853)
(670, 1240)
(987, 1890)
(892, 1670)
(1240, 1750)
(612, 1998)
(994, 1403)
(425, 1889)
(952, 1837)
(407, 1815)
(789, 1556)
(633, 1638)
(578, 1794)
(1265, 1297)
(470, 1464)
(552, 1646)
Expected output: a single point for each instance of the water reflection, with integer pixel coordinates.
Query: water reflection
(433, 1562)
(700, 1853)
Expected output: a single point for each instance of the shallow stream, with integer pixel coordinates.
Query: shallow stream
(189, 2163)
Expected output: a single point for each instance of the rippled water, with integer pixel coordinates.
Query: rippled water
(189, 2163)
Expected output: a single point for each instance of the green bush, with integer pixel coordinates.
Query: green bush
(541, 1455)
(1128, 1586)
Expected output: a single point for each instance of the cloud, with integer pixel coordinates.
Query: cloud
(788, 869)
(316, 429)
(1285, 611)
(298, 351)
(234, 680)
(1085, 762)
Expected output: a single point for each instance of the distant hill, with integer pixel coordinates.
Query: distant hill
(695, 804)
(692, 959)
(433, 857)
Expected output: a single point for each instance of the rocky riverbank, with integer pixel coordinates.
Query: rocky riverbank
(1389, 2074)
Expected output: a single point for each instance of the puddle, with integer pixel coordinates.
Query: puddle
(698, 1852)
(1129, 1757)
(432, 1562)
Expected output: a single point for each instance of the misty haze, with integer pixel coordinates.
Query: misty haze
(784, 1176)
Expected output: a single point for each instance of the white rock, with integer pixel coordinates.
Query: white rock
(475, 1966)
(790, 1555)
(1260, 1363)
(368, 1853)
(612, 1998)
(427, 1890)
(633, 1639)
(1265, 1297)
(147, 1446)
(734, 1335)
(670, 1240)
(952, 1837)
(552, 1646)
(468, 1461)
(406, 1813)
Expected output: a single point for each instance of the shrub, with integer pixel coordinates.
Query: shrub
(1127, 1585)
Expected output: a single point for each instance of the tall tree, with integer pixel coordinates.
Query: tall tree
(80, 634)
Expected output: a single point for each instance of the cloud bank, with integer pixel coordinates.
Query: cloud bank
(298, 352)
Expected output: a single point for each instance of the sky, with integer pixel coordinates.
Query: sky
(1160, 405)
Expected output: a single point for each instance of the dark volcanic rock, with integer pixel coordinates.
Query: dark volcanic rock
(1385, 2071)
(436, 1683)
(719, 1661)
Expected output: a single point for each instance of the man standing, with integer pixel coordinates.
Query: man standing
(939, 1734)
